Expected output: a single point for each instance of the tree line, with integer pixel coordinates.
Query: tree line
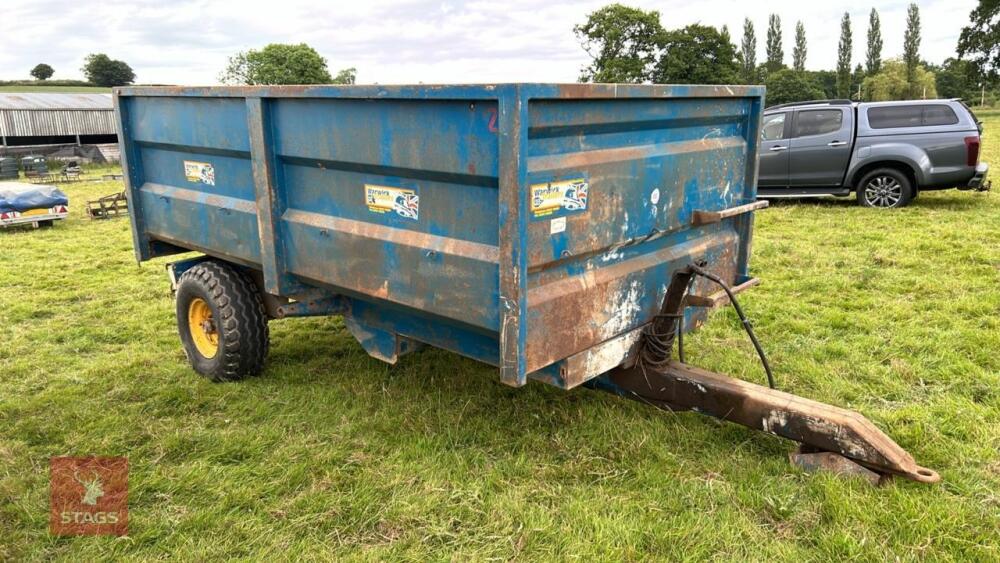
(276, 63)
(98, 68)
(629, 44)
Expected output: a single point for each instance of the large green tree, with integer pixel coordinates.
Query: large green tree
(980, 40)
(748, 53)
(959, 78)
(42, 71)
(827, 79)
(623, 44)
(799, 52)
(873, 54)
(788, 85)
(696, 54)
(891, 83)
(911, 46)
(102, 70)
(775, 52)
(844, 58)
(277, 63)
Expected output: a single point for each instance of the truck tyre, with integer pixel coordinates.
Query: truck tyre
(221, 321)
(885, 188)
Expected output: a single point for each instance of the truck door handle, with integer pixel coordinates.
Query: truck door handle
(836, 143)
(778, 148)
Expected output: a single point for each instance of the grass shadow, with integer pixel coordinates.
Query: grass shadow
(824, 201)
(938, 199)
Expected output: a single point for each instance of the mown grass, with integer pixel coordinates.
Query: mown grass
(334, 455)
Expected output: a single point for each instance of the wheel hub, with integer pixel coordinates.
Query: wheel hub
(883, 191)
(202, 327)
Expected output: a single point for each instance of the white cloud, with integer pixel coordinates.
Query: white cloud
(188, 41)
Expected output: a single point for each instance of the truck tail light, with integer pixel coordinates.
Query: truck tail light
(972, 151)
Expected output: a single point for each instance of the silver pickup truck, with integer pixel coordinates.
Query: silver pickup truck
(885, 152)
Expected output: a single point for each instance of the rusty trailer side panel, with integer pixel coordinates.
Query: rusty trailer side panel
(534, 227)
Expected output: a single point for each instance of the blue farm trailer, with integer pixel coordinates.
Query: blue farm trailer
(565, 233)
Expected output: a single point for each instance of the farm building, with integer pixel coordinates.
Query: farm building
(48, 122)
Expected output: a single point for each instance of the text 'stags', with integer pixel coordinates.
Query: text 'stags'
(88, 496)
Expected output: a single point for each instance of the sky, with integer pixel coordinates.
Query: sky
(410, 41)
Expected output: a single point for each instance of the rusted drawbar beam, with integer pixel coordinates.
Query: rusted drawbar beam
(828, 428)
(655, 379)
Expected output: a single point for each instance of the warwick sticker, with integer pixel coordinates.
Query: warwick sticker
(387, 199)
(88, 496)
(549, 198)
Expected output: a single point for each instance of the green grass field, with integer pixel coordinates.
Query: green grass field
(332, 455)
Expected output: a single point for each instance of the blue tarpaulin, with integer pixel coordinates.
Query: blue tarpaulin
(22, 197)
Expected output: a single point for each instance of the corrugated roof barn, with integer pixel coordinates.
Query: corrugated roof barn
(52, 115)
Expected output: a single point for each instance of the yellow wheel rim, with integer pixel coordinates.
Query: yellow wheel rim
(202, 328)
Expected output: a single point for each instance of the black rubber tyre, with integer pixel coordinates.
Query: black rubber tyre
(235, 315)
(884, 188)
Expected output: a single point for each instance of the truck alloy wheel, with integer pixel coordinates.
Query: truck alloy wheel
(884, 188)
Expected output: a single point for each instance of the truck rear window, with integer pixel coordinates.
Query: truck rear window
(892, 117)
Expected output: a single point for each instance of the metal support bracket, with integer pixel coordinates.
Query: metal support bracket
(702, 217)
(312, 307)
(719, 298)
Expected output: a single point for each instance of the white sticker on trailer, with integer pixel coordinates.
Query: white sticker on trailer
(558, 225)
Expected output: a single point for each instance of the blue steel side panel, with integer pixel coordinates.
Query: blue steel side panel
(218, 217)
(431, 138)
(648, 164)
(214, 124)
(443, 258)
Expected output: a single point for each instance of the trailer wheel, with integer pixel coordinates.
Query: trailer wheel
(221, 321)
(884, 188)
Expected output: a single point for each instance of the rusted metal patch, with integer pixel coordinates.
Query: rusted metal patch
(195, 196)
(719, 298)
(824, 427)
(575, 313)
(403, 237)
(599, 359)
(702, 217)
(623, 154)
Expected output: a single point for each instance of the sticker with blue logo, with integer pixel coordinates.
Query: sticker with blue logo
(199, 172)
(404, 202)
(551, 198)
